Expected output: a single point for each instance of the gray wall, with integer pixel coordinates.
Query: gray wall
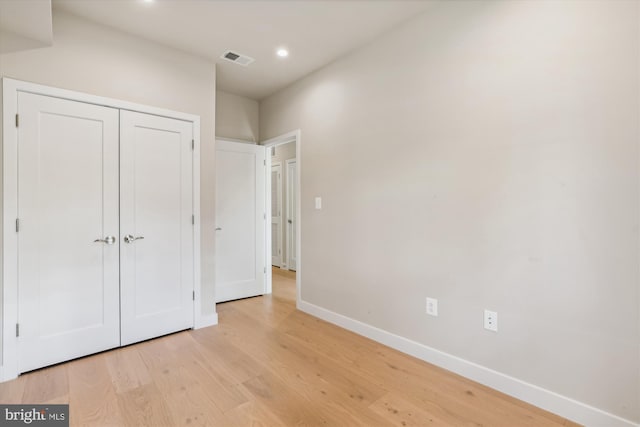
(485, 154)
(91, 58)
(236, 117)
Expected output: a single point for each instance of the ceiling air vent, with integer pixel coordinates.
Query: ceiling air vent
(237, 58)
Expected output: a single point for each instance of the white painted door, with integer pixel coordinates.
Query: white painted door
(68, 304)
(156, 238)
(292, 196)
(276, 214)
(240, 220)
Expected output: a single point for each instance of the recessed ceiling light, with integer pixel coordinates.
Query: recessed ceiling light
(282, 53)
(148, 1)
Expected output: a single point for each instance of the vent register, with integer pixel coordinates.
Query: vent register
(237, 58)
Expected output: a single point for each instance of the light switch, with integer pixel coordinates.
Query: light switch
(318, 203)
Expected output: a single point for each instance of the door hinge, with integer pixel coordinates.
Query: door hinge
(193, 144)
(193, 220)
(264, 162)
(17, 329)
(194, 295)
(265, 216)
(17, 120)
(17, 225)
(265, 270)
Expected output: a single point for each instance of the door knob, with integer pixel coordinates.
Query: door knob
(289, 221)
(218, 228)
(109, 240)
(130, 239)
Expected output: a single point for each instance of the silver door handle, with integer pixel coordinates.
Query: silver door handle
(109, 240)
(289, 221)
(218, 228)
(130, 239)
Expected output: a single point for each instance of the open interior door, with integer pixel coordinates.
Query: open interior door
(240, 220)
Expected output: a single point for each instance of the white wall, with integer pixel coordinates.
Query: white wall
(91, 58)
(236, 117)
(25, 25)
(485, 154)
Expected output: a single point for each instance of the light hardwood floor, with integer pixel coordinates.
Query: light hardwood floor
(267, 364)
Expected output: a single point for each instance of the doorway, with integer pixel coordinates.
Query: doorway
(284, 153)
(276, 212)
(291, 212)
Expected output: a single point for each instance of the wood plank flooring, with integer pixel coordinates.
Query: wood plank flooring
(267, 364)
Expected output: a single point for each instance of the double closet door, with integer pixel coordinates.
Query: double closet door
(105, 235)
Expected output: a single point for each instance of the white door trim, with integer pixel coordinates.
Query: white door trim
(9, 182)
(293, 136)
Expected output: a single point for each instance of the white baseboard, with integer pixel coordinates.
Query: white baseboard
(204, 321)
(537, 396)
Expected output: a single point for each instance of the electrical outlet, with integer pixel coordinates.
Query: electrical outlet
(432, 306)
(491, 320)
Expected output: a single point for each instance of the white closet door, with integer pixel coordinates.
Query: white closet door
(68, 198)
(156, 238)
(241, 218)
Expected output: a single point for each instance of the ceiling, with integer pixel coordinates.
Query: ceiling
(316, 32)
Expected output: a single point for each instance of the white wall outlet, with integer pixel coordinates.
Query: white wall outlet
(491, 320)
(432, 306)
(318, 203)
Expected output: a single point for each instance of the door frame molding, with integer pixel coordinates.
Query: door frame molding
(293, 136)
(288, 190)
(9, 213)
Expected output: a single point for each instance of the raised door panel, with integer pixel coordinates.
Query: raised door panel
(156, 226)
(68, 201)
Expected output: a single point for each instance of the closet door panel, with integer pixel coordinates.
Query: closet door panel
(68, 197)
(156, 226)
